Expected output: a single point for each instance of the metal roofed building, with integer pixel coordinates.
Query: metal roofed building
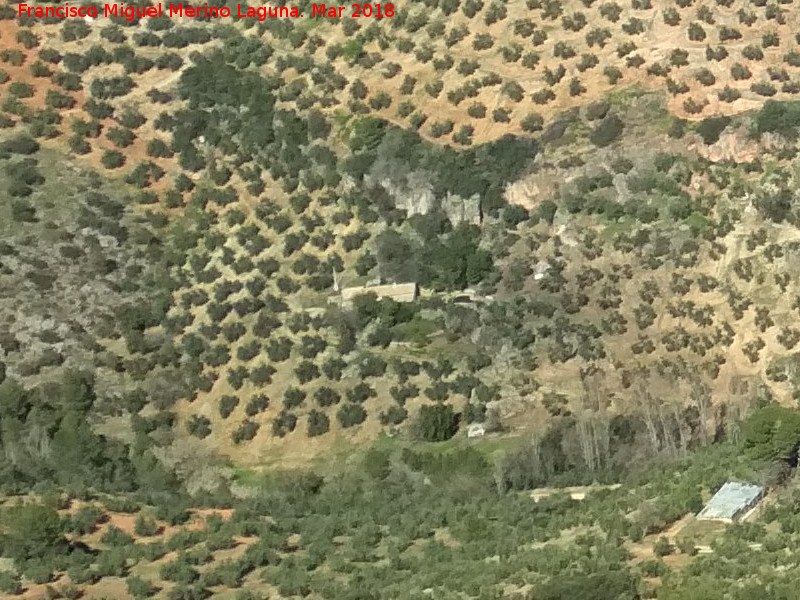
(731, 501)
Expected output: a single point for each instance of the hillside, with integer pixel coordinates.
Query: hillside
(595, 202)
(633, 270)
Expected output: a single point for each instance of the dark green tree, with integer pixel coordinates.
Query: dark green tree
(435, 423)
(773, 433)
(32, 531)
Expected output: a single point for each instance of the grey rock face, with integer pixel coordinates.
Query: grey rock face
(462, 210)
(412, 192)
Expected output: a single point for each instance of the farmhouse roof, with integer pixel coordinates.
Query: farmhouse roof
(401, 292)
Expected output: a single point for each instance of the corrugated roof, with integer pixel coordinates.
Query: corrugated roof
(730, 500)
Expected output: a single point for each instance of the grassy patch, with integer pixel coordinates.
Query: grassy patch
(701, 533)
(697, 223)
(417, 330)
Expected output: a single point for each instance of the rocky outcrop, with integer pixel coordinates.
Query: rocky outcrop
(524, 192)
(738, 146)
(413, 193)
(621, 187)
(462, 210)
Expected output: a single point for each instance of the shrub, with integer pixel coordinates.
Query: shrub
(752, 52)
(99, 109)
(394, 415)
(236, 377)
(256, 405)
(140, 588)
(227, 404)
(326, 396)
(740, 72)
(27, 38)
(37, 572)
(121, 504)
(351, 414)
(474, 413)
(85, 520)
(653, 568)
(728, 33)
(55, 99)
(79, 145)
(763, 88)
(710, 129)
(262, 374)
(21, 144)
(13, 57)
(613, 74)
(20, 89)
(188, 592)
(693, 107)
(607, 131)
(772, 433)
(120, 136)
(32, 530)
(686, 546)
(662, 547)
(10, 583)
(360, 392)
(440, 128)
(112, 159)
(696, 32)
(318, 423)
(635, 532)
(532, 122)
(500, 115)
(306, 371)
(131, 119)
(781, 117)
(179, 571)
(112, 87)
(530, 60)
(74, 29)
(246, 431)
(293, 397)
(576, 88)
(284, 423)
(198, 426)
(159, 149)
(705, 77)
(114, 536)
(145, 526)
(173, 513)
